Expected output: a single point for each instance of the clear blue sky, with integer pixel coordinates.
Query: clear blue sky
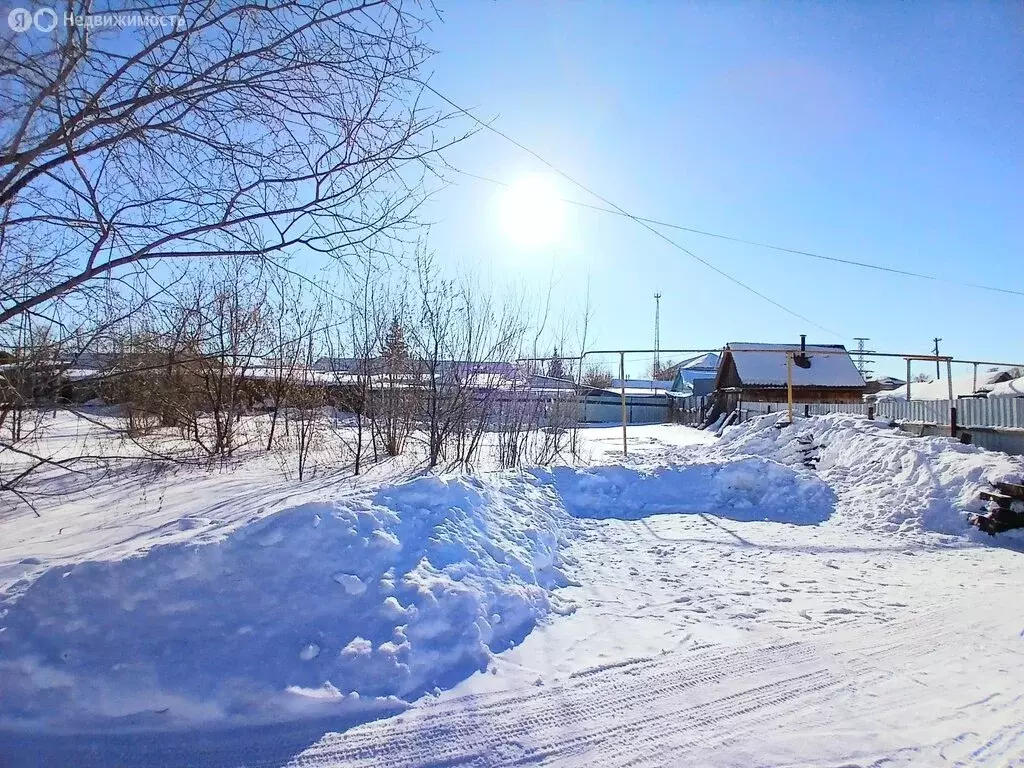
(883, 132)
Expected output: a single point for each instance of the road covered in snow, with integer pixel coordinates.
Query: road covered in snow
(801, 596)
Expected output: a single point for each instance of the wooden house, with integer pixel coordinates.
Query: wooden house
(821, 373)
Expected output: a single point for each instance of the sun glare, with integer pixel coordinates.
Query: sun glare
(531, 212)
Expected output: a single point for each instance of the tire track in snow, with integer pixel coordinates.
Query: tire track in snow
(698, 693)
(1005, 747)
(678, 704)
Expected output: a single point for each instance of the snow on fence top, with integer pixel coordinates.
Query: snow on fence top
(765, 365)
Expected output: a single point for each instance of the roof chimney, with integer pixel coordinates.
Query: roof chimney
(802, 360)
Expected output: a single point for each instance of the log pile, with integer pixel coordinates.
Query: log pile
(1004, 509)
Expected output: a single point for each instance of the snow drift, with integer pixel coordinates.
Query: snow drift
(322, 608)
(355, 607)
(346, 608)
(745, 489)
(884, 478)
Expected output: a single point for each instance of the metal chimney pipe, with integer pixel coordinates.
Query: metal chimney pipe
(803, 342)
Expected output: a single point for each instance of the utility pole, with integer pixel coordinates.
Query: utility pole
(622, 397)
(657, 334)
(938, 373)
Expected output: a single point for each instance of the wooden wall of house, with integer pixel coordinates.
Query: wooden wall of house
(727, 376)
(804, 394)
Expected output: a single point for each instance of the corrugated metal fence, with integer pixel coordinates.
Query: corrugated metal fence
(1004, 412)
(970, 412)
(649, 410)
(994, 412)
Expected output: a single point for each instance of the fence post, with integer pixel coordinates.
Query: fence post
(789, 384)
(952, 402)
(622, 396)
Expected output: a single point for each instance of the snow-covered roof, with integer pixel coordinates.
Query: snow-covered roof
(539, 381)
(887, 383)
(1011, 388)
(345, 364)
(707, 361)
(81, 374)
(634, 392)
(963, 386)
(990, 377)
(765, 365)
(649, 384)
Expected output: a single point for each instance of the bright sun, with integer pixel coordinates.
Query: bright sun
(531, 212)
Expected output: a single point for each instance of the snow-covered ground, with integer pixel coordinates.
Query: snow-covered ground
(699, 602)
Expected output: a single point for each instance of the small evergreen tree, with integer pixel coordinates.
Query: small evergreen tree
(394, 348)
(555, 369)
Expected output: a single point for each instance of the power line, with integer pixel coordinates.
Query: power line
(769, 246)
(621, 211)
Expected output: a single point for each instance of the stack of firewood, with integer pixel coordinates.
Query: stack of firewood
(1004, 509)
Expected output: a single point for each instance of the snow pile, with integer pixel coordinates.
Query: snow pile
(745, 489)
(1011, 388)
(884, 478)
(337, 608)
(938, 389)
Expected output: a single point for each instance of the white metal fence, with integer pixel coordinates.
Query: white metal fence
(970, 412)
(1004, 412)
(994, 412)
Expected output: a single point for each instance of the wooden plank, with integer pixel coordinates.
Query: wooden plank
(1001, 499)
(986, 524)
(997, 521)
(1014, 490)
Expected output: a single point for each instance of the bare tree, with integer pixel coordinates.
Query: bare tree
(306, 411)
(664, 372)
(238, 130)
(459, 336)
(294, 319)
(362, 332)
(597, 376)
(192, 365)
